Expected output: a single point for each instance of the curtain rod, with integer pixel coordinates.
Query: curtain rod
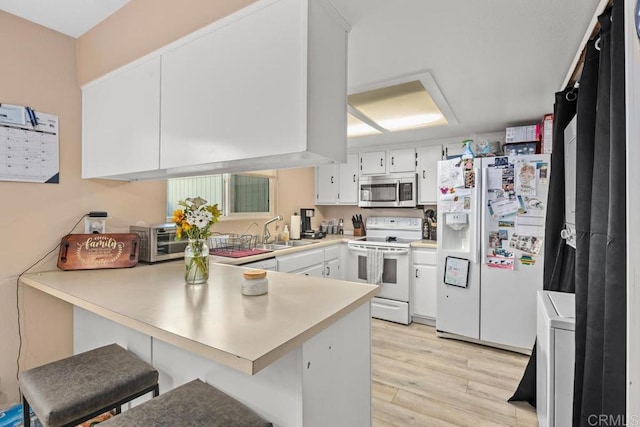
(575, 70)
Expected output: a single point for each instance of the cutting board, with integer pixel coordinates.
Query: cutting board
(95, 251)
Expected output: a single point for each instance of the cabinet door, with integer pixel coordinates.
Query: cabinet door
(300, 260)
(424, 290)
(348, 182)
(332, 269)
(121, 122)
(326, 184)
(428, 158)
(238, 92)
(372, 163)
(402, 160)
(315, 271)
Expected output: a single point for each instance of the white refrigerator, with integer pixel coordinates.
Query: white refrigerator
(490, 248)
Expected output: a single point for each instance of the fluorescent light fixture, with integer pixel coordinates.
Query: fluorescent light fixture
(356, 127)
(406, 103)
(411, 122)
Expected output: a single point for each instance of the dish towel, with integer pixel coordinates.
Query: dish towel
(375, 263)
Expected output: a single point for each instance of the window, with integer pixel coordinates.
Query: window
(237, 195)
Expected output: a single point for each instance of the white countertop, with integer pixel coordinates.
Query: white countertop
(213, 320)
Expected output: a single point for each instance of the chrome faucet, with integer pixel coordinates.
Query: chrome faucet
(265, 230)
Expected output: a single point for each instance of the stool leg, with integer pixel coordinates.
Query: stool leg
(26, 417)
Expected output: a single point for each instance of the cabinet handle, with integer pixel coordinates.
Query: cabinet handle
(381, 160)
(423, 176)
(328, 271)
(392, 161)
(417, 277)
(354, 177)
(332, 180)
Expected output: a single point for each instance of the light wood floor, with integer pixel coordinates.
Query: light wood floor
(422, 380)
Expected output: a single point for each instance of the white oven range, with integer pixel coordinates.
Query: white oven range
(390, 236)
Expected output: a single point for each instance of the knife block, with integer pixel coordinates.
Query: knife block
(359, 232)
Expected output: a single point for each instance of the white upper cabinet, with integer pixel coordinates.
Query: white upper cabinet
(402, 160)
(391, 161)
(428, 158)
(327, 185)
(348, 183)
(263, 88)
(121, 121)
(270, 84)
(373, 163)
(338, 184)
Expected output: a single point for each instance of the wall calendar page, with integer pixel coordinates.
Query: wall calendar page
(30, 153)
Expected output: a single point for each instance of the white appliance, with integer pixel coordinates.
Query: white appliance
(388, 191)
(392, 237)
(555, 360)
(497, 227)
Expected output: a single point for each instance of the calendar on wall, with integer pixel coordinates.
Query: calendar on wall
(29, 151)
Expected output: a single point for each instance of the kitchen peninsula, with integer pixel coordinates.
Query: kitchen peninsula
(299, 355)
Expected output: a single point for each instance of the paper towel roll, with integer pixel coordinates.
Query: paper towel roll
(294, 232)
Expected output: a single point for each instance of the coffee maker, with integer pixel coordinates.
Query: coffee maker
(306, 231)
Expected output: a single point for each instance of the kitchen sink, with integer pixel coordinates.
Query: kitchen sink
(295, 243)
(271, 246)
(283, 245)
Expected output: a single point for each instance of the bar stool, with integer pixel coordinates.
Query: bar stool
(194, 404)
(73, 390)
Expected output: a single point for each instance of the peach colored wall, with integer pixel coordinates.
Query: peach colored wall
(141, 27)
(39, 69)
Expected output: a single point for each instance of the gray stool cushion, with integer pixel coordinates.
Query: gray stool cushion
(68, 389)
(192, 404)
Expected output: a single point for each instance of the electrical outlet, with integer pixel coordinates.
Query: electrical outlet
(94, 225)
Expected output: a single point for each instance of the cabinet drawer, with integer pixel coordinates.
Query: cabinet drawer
(332, 252)
(300, 260)
(425, 257)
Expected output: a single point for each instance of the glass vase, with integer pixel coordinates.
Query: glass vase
(196, 262)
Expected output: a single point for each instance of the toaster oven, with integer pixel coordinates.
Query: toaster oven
(158, 242)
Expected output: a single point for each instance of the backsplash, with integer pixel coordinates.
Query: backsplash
(345, 212)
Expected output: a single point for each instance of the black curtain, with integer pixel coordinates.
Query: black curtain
(559, 266)
(600, 370)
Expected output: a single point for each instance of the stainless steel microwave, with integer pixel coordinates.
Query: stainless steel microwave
(388, 191)
(158, 242)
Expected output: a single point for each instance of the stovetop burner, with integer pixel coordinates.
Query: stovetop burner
(392, 231)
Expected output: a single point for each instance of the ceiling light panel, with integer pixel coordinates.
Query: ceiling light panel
(356, 127)
(399, 107)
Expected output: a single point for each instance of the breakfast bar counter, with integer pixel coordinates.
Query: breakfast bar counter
(300, 354)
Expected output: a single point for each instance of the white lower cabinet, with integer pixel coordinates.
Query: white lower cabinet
(314, 271)
(326, 381)
(332, 262)
(313, 262)
(299, 262)
(425, 279)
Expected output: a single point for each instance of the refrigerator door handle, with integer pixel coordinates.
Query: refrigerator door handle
(482, 211)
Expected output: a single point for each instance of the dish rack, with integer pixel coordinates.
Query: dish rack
(232, 242)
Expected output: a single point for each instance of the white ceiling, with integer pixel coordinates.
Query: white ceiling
(497, 62)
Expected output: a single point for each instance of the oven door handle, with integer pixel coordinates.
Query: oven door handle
(384, 251)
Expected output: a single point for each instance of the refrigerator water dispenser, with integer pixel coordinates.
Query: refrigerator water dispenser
(456, 235)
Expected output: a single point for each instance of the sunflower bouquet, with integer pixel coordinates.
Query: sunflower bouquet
(194, 220)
